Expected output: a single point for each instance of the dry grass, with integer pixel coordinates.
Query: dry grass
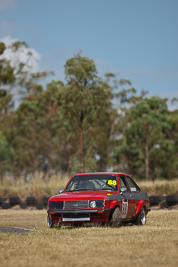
(160, 187)
(155, 244)
(38, 187)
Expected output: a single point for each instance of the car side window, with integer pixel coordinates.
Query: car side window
(132, 185)
(123, 184)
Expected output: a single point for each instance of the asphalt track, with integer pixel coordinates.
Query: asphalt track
(14, 230)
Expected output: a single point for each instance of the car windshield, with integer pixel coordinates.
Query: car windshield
(92, 182)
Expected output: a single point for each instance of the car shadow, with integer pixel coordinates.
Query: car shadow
(92, 225)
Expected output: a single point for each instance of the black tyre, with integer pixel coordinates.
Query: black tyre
(164, 205)
(45, 200)
(116, 217)
(49, 222)
(6, 206)
(156, 200)
(2, 200)
(31, 201)
(172, 200)
(40, 206)
(141, 219)
(23, 205)
(14, 201)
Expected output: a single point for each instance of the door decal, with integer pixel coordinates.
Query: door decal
(124, 208)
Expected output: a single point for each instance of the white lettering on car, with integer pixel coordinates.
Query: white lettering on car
(124, 208)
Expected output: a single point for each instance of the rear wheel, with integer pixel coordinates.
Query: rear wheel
(116, 217)
(49, 222)
(141, 219)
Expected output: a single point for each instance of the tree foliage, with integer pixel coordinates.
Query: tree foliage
(85, 123)
(146, 132)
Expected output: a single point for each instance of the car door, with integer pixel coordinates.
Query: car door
(133, 193)
(126, 201)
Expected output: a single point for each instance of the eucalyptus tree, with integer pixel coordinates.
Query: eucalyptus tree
(7, 79)
(173, 136)
(86, 101)
(18, 82)
(77, 95)
(146, 131)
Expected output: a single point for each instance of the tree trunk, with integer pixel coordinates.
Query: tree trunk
(147, 162)
(82, 164)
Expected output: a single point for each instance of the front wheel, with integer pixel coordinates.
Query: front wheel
(116, 217)
(49, 222)
(141, 219)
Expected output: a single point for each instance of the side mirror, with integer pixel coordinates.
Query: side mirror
(123, 189)
(60, 191)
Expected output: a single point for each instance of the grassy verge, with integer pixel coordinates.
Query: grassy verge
(38, 187)
(155, 244)
(160, 187)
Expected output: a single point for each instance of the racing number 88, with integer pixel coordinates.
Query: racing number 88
(112, 182)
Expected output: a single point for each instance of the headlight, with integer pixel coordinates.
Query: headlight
(93, 204)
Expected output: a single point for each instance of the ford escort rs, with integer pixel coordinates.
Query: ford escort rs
(103, 198)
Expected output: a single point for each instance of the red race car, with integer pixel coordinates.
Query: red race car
(99, 198)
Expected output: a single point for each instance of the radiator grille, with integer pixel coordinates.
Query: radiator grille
(82, 204)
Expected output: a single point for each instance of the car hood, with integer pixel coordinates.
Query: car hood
(82, 195)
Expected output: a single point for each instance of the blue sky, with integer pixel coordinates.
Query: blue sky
(136, 38)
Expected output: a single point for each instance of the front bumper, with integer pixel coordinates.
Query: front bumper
(77, 211)
(81, 216)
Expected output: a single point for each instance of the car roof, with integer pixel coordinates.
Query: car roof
(94, 173)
